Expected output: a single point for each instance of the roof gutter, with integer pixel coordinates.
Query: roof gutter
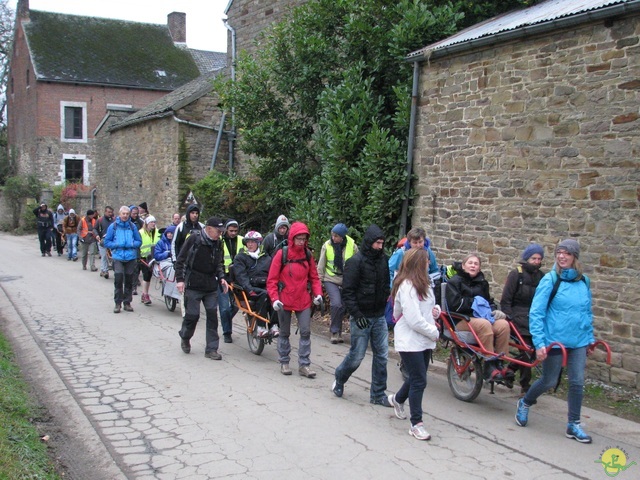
(529, 30)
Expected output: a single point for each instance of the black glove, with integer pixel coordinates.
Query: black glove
(362, 323)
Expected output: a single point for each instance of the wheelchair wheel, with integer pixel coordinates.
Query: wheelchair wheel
(467, 385)
(256, 344)
(170, 302)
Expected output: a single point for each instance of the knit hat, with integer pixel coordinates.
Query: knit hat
(144, 205)
(231, 222)
(282, 221)
(340, 229)
(570, 245)
(149, 219)
(215, 222)
(531, 250)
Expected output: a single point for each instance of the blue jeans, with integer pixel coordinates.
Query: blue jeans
(227, 312)
(378, 333)
(104, 261)
(576, 363)
(72, 245)
(416, 364)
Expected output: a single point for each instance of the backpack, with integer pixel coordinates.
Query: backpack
(285, 259)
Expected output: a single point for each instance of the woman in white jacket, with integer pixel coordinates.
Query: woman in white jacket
(415, 334)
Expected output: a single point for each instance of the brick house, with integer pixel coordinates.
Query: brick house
(528, 129)
(65, 72)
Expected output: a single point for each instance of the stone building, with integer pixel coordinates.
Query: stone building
(140, 154)
(528, 129)
(66, 70)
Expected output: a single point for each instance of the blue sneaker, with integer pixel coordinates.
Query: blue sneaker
(522, 413)
(337, 388)
(574, 430)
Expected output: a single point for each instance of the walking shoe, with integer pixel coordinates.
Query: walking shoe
(340, 339)
(398, 408)
(94, 268)
(522, 414)
(48, 254)
(419, 432)
(491, 373)
(227, 338)
(84, 267)
(116, 308)
(306, 372)
(574, 430)
(106, 275)
(59, 254)
(127, 307)
(384, 401)
(275, 331)
(43, 254)
(185, 345)
(68, 259)
(262, 332)
(145, 299)
(284, 369)
(213, 355)
(337, 388)
(102, 274)
(134, 290)
(334, 338)
(75, 259)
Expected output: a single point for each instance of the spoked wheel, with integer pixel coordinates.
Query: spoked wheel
(467, 384)
(170, 302)
(256, 344)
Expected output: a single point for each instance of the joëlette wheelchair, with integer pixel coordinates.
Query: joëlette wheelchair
(467, 354)
(247, 306)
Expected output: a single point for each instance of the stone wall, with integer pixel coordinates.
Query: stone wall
(538, 140)
(140, 162)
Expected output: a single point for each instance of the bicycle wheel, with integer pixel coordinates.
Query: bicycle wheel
(256, 344)
(467, 385)
(170, 302)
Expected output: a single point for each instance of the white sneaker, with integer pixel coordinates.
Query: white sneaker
(398, 408)
(262, 332)
(419, 432)
(275, 331)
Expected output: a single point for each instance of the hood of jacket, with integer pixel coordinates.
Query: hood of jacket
(169, 229)
(60, 207)
(371, 235)
(295, 251)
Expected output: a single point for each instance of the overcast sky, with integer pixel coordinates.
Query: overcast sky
(205, 30)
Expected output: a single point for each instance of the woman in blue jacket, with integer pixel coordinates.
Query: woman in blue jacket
(561, 312)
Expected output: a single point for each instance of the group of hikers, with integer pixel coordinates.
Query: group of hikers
(280, 277)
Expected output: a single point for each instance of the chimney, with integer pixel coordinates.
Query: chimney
(177, 23)
(22, 10)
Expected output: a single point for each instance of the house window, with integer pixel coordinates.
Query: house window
(73, 121)
(73, 170)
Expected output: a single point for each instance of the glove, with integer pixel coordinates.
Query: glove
(362, 323)
(317, 300)
(277, 305)
(499, 315)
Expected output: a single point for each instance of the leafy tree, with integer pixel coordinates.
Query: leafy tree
(324, 105)
(6, 42)
(17, 190)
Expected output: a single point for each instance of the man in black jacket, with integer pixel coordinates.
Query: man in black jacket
(365, 289)
(99, 231)
(183, 230)
(45, 225)
(199, 272)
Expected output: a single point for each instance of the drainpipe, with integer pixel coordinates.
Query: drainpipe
(410, 147)
(218, 138)
(232, 135)
(93, 198)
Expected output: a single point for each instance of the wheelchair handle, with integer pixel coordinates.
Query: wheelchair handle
(604, 345)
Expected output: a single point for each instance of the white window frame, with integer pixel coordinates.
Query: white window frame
(63, 166)
(82, 105)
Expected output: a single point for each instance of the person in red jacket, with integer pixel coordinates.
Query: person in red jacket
(292, 271)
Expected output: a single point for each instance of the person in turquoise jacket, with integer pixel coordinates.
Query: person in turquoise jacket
(123, 240)
(416, 238)
(561, 312)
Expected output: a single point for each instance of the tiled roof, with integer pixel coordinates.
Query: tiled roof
(544, 12)
(70, 48)
(171, 102)
(208, 61)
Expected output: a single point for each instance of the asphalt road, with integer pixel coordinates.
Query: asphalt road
(130, 404)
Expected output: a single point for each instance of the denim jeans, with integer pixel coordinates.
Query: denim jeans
(304, 346)
(378, 333)
(416, 364)
(104, 261)
(227, 312)
(72, 245)
(576, 363)
(192, 299)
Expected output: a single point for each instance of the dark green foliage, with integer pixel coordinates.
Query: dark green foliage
(19, 189)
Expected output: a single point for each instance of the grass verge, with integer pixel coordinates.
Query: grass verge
(23, 455)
